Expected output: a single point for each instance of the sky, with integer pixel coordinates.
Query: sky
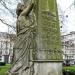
(64, 3)
(69, 24)
(7, 16)
(68, 9)
(3, 28)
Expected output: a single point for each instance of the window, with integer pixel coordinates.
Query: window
(3, 45)
(0, 58)
(0, 44)
(0, 52)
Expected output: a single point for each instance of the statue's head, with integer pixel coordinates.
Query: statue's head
(19, 9)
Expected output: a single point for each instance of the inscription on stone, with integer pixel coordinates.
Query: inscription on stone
(49, 35)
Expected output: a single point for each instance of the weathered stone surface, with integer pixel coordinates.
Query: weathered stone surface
(24, 41)
(47, 68)
(48, 31)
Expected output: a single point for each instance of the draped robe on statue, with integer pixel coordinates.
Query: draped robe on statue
(23, 44)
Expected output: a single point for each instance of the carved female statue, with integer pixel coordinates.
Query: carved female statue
(24, 42)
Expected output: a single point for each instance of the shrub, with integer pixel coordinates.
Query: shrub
(69, 70)
(2, 63)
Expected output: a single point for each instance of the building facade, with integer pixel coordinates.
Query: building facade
(6, 46)
(68, 47)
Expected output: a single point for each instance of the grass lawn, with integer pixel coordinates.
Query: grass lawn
(4, 69)
(69, 68)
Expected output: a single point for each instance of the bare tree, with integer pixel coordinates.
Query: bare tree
(7, 12)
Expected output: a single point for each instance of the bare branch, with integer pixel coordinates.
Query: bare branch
(8, 24)
(0, 0)
(4, 4)
(7, 9)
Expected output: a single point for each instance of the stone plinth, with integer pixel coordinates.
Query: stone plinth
(47, 68)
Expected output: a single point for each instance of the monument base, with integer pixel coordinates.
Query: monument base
(40, 68)
(48, 68)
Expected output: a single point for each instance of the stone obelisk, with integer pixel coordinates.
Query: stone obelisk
(47, 58)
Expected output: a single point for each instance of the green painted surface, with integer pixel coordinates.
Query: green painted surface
(48, 31)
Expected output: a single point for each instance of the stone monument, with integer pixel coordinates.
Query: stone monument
(37, 50)
(47, 57)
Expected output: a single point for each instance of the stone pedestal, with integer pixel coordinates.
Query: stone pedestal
(48, 68)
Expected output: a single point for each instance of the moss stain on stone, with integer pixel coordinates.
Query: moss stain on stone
(48, 29)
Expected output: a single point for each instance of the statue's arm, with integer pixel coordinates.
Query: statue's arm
(27, 10)
(17, 28)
